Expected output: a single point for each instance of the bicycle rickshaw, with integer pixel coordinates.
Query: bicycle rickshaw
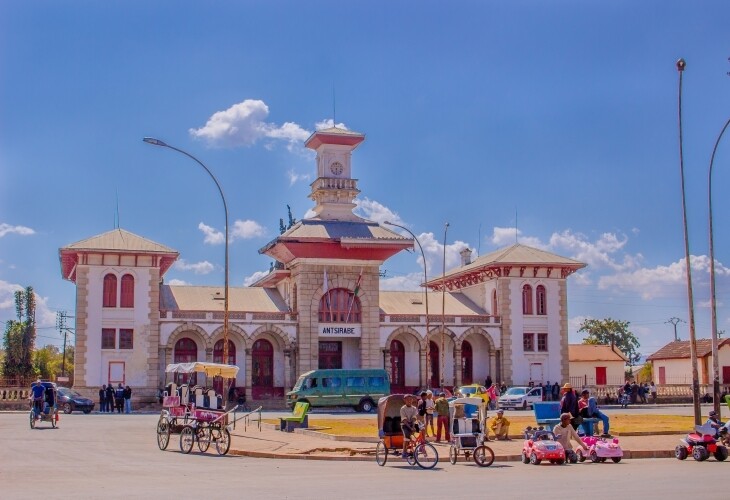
(468, 433)
(46, 410)
(420, 453)
(197, 413)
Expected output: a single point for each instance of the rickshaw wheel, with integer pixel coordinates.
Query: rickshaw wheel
(187, 438)
(453, 454)
(223, 443)
(163, 433)
(381, 453)
(483, 456)
(203, 438)
(426, 456)
(32, 420)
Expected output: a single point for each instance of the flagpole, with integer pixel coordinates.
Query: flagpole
(352, 301)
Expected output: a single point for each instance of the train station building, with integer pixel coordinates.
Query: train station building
(502, 315)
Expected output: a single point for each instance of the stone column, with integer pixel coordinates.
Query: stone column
(209, 354)
(153, 332)
(386, 361)
(287, 369)
(503, 287)
(422, 363)
(564, 361)
(247, 384)
(457, 366)
(82, 313)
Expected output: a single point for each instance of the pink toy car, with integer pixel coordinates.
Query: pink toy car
(599, 449)
(541, 445)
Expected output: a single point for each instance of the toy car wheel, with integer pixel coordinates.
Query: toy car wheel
(534, 460)
(721, 454)
(67, 408)
(525, 458)
(381, 453)
(680, 452)
(571, 457)
(453, 455)
(699, 453)
(560, 461)
(581, 456)
(87, 411)
(616, 459)
(483, 456)
(602, 459)
(594, 457)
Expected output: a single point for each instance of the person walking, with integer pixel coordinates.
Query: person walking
(119, 397)
(652, 391)
(493, 393)
(110, 398)
(127, 399)
(102, 399)
(441, 406)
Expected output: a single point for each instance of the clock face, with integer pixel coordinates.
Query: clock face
(336, 168)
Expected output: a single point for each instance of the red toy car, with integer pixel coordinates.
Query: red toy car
(701, 444)
(540, 445)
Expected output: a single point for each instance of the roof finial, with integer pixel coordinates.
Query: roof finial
(334, 106)
(116, 214)
(516, 230)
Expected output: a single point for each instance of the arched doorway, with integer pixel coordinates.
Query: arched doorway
(434, 367)
(262, 369)
(218, 358)
(186, 351)
(467, 363)
(397, 367)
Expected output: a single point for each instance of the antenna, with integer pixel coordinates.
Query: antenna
(334, 106)
(116, 214)
(516, 230)
(479, 239)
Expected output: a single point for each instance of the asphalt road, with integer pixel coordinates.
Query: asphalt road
(115, 456)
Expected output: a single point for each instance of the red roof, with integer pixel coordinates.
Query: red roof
(679, 349)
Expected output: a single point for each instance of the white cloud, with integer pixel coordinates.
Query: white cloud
(203, 267)
(248, 280)
(44, 316)
(244, 124)
(19, 230)
(503, 236)
(246, 230)
(212, 235)
(7, 295)
(309, 214)
(410, 281)
(374, 211)
(177, 282)
(329, 123)
(295, 177)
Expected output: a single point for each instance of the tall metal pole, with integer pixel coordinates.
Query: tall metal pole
(157, 142)
(425, 292)
(443, 311)
(713, 302)
(681, 65)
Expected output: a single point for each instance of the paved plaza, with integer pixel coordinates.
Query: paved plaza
(114, 456)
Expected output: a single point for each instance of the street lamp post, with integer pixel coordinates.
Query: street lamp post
(713, 303)
(443, 311)
(157, 142)
(425, 287)
(681, 65)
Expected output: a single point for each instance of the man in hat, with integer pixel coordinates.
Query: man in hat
(569, 404)
(500, 426)
(564, 432)
(714, 422)
(408, 421)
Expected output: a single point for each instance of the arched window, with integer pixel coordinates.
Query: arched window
(527, 299)
(110, 291)
(186, 351)
(218, 352)
(397, 364)
(541, 300)
(433, 351)
(467, 363)
(127, 298)
(495, 311)
(339, 305)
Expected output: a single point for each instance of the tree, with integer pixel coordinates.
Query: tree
(19, 337)
(608, 331)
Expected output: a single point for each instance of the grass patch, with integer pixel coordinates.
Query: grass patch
(622, 423)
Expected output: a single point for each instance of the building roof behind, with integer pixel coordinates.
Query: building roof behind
(119, 240)
(679, 349)
(594, 352)
(210, 298)
(332, 229)
(457, 304)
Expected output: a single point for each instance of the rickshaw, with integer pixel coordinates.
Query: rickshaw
(197, 413)
(420, 453)
(468, 433)
(47, 410)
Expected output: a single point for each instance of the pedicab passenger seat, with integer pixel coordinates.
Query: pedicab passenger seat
(297, 420)
(465, 432)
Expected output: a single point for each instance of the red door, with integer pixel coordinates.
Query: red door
(600, 375)
(434, 355)
(467, 361)
(262, 369)
(397, 367)
(726, 374)
(662, 375)
(218, 358)
(186, 351)
(330, 355)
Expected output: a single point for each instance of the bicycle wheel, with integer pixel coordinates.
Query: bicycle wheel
(32, 419)
(203, 437)
(223, 443)
(163, 433)
(483, 456)
(187, 438)
(381, 453)
(426, 456)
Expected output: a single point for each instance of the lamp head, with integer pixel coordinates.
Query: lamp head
(681, 64)
(153, 141)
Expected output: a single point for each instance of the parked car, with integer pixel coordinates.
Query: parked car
(474, 391)
(520, 398)
(70, 400)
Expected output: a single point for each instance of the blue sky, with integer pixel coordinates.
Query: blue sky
(556, 118)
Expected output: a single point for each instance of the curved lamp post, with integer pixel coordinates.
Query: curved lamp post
(425, 280)
(443, 313)
(157, 142)
(713, 303)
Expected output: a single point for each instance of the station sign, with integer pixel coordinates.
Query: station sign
(339, 330)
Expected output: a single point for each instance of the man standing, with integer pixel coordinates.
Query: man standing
(119, 397)
(569, 404)
(127, 399)
(110, 398)
(590, 410)
(547, 392)
(102, 399)
(493, 393)
(500, 426)
(652, 390)
(442, 417)
(556, 392)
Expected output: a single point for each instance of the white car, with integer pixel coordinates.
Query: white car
(520, 398)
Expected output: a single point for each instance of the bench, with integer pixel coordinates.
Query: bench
(297, 420)
(548, 414)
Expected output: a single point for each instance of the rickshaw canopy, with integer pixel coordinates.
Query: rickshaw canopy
(467, 401)
(210, 369)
